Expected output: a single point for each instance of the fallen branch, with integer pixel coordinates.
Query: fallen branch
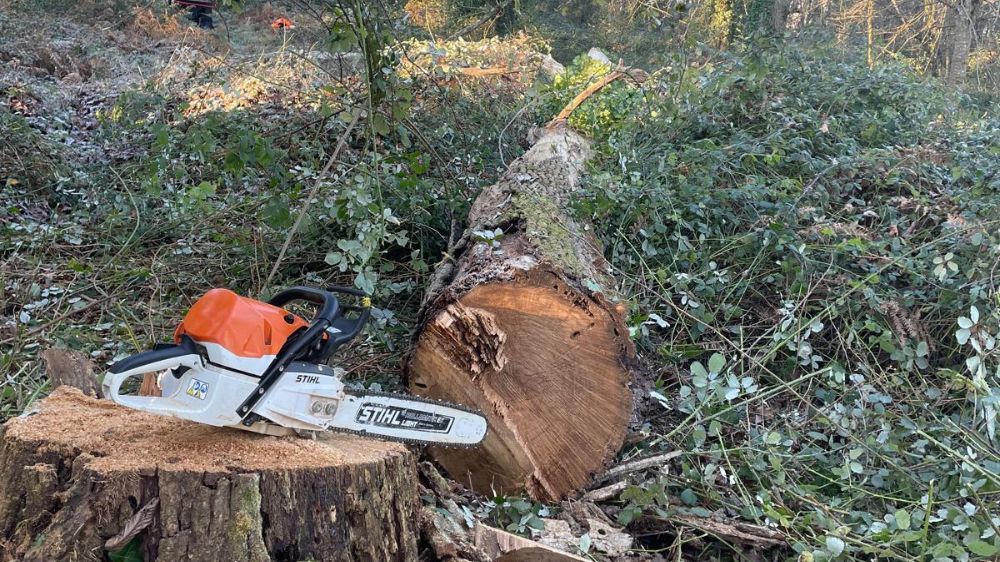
(637, 465)
(501, 545)
(482, 21)
(743, 533)
(491, 71)
(620, 72)
(605, 493)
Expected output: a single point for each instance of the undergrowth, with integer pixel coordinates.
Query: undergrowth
(808, 248)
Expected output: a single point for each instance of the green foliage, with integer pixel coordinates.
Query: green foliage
(604, 110)
(803, 239)
(131, 552)
(517, 515)
(184, 185)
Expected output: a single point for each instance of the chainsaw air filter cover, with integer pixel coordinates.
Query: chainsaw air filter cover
(243, 327)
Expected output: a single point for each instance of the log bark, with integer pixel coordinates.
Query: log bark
(524, 324)
(81, 476)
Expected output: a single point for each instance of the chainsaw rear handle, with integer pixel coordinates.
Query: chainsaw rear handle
(183, 355)
(167, 352)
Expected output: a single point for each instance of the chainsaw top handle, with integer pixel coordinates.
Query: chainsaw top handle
(329, 307)
(309, 346)
(330, 313)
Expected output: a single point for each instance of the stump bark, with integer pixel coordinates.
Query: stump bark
(81, 475)
(524, 325)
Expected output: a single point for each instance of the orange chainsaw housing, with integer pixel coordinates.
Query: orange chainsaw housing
(245, 327)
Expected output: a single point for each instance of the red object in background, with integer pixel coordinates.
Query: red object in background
(196, 3)
(282, 23)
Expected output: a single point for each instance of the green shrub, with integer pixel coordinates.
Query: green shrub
(802, 238)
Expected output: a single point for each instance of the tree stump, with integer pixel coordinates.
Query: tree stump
(524, 325)
(80, 476)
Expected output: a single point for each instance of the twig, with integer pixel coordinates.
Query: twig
(637, 465)
(736, 531)
(605, 493)
(312, 193)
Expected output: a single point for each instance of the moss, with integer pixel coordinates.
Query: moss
(546, 229)
(246, 521)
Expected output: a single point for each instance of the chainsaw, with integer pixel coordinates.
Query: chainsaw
(242, 363)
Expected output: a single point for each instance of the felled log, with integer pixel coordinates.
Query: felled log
(82, 477)
(524, 324)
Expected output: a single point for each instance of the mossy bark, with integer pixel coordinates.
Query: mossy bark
(526, 326)
(64, 493)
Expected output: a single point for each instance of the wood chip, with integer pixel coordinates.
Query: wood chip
(508, 547)
(142, 519)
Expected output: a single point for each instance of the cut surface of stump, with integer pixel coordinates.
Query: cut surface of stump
(524, 326)
(76, 472)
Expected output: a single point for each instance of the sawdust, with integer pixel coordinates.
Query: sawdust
(128, 440)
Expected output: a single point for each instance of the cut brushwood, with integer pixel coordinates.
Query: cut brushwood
(81, 477)
(524, 324)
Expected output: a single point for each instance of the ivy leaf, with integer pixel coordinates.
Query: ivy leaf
(380, 125)
(716, 362)
(835, 546)
(585, 543)
(963, 336)
(902, 519)
(131, 552)
(982, 548)
(698, 370)
(365, 280)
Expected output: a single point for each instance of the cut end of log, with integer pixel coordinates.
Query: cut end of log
(99, 474)
(545, 363)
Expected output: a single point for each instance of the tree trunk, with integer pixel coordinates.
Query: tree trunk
(81, 477)
(956, 42)
(779, 16)
(523, 325)
(961, 17)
